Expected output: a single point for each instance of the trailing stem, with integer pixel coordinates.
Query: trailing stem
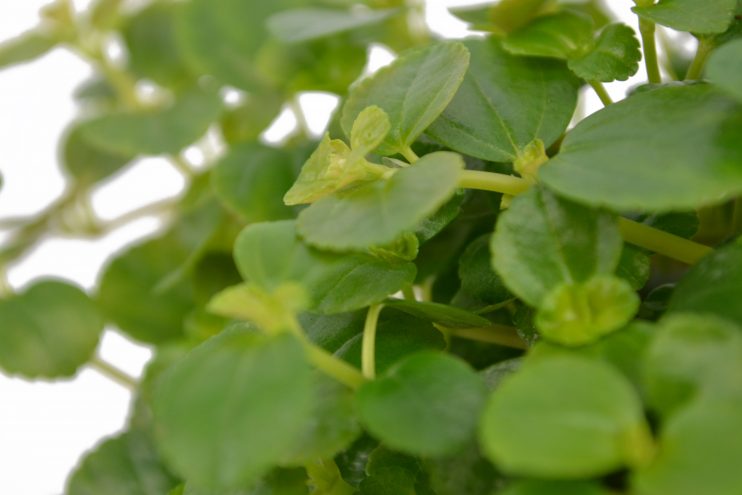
(368, 348)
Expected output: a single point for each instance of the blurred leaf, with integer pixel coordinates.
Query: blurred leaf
(233, 408)
(725, 68)
(251, 180)
(48, 331)
(565, 418)
(247, 121)
(305, 24)
(538, 487)
(159, 131)
(86, 162)
(696, 16)
(127, 464)
(561, 35)
(439, 313)
(26, 48)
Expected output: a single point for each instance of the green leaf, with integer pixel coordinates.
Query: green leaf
(674, 147)
(413, 91)
(25, 48)
(86, 162)
(332, 331)
(634, 266)
(398, 335)
(699, 452)
(129, 297)
(124, 465)
(233, 408)
(724, 68)
(277, 482)
(329, 428)
(541, 487)
(236, 28)
(564, 418)
(691, 355)
(443, 314)
(542, 242)
(478, 279)
(153, 51)
(251, 180)
(306, 24)
(503, 17)
(561, 35)
(713, 286)
(269, 254)
(48, 331)
(578, 314)
(427, 404)
(505, 103)
(159, 131)
(248, 120)
(465, 471)
(377, 213)
(614, 56)
(696, 16)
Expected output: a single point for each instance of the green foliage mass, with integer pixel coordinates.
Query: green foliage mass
(463, 286)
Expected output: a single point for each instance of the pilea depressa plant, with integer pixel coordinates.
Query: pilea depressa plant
(463, 287)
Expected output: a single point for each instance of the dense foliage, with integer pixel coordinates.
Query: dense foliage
(462, 288)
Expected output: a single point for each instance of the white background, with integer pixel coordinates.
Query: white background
(46, 427)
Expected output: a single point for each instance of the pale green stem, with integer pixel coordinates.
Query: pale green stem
(491, 181)
(699, 61)
(409, 155)
(181, 165)
(152, 209)
(494, 334)
(113, 373)
(301, 120)
(662, 242)
(647, 30)
(368, 347)
(600, 90)
(334, 367)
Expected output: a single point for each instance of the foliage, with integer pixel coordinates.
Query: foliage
(451, 291)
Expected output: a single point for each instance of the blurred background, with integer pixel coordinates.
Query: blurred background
(46, 427)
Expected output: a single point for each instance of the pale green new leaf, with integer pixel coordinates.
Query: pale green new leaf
(505, 103)
(696, 16)
(311, 23)
(48, 331)
(369, 130)
(413, 91)
(564, 418)
(379, 212)
(615, 55)
(428, 404)
(233, 408)
(724, 68)
(542, 242)
(674, 147)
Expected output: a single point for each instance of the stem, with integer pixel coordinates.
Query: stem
(409, 155)
(152, 209)
(605, 98)
(6, 290)
(409, 293)
(662, 242)
(301, 120)
(182, 165)
(494, 334)
(368, 348)
(699, 61)
(647, 29)
(113, 373)
(333, 367)
(491, 181)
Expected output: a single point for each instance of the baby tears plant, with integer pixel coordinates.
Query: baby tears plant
(465, 286)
